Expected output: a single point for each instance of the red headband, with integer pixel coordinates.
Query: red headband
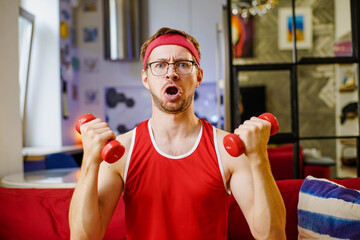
(171, 39)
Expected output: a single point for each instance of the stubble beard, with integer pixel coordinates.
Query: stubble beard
(182, 107)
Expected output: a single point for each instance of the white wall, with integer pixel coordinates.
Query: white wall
(10, 122)
(43, 122)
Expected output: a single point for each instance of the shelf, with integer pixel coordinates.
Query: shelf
(39, 153)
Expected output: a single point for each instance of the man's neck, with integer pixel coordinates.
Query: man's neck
(182, 123)
(175, 134)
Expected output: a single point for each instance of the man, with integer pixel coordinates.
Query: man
(175, 175)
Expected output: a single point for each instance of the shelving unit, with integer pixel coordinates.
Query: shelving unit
(346, 86)
(306, 82)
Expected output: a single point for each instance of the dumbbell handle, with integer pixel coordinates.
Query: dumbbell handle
(112, 151)
(235, 146)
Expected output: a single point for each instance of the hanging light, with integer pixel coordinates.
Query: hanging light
(247, 8)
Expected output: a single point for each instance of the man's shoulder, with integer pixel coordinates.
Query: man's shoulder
(125, 138)
(221, 133)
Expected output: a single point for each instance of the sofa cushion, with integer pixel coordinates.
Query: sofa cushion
(281, 160)
(42, 214)
(328, 210)
(34, 213)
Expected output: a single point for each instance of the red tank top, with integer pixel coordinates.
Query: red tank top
(175, 197)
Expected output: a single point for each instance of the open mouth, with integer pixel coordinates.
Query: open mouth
(172, 91)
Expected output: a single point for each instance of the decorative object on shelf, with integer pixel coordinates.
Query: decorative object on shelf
(247, 8)
(348, 84)
(348, 152)
(349, 111)
(92, 96)
(343, 49)
(303, 28)
(90, 34)
(91, 65)
(90, 5)
(64, 30)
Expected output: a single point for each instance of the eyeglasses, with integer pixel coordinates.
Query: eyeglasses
(182, 67)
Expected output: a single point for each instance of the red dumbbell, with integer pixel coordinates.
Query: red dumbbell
(235, 146)
(112, 151)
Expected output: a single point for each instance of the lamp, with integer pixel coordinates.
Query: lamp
(247, 8)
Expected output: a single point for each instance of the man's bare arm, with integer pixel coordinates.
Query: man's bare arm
(98, 188)
(252, 184)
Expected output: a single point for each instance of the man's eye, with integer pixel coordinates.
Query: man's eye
(160, 65)
(183, 64)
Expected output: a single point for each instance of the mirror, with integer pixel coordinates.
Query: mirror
(26, 30)
(121, 29)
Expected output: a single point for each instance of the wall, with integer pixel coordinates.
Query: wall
(69, 71)
(10, 122)
(343, 21)
(43, 125)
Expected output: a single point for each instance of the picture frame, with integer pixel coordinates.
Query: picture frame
(303, 23)
(242, 36)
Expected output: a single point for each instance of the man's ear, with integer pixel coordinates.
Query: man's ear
(144, 79)
(199, 76)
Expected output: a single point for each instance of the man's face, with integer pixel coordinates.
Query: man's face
(172, 92)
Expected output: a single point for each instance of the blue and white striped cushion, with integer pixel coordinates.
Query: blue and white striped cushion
(327, 210)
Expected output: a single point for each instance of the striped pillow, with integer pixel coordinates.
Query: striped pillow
(327, 210)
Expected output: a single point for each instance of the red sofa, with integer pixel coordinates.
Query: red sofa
(281, 160)
(42, 214)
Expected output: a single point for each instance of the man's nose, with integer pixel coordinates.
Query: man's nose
(171, 73)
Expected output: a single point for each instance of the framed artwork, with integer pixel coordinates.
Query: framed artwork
(90, 34)
(242, 34)
(303, 26)
(91, 65)
(90, 5)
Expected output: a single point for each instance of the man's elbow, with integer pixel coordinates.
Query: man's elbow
(275, 231)
(79, 233)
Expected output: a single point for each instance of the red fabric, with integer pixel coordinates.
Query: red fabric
(172, 39)
(42, 214)
(317, 171)
(180, 197)
(281, 160)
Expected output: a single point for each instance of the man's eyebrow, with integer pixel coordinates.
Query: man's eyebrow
(166, 60)
(161, 59)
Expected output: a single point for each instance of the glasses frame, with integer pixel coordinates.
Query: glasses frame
(168, 65)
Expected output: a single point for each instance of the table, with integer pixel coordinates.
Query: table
(50, 178)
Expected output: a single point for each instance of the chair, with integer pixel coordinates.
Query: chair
(60, 160)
